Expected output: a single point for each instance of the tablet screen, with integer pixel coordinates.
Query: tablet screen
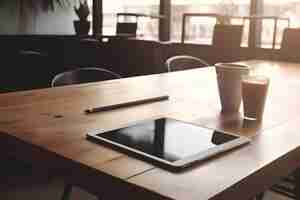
(168, 139)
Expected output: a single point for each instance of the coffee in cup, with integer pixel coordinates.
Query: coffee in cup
(254, 93)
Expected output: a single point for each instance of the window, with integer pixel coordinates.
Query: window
(283, 9)
(147, 27)
(90, 17)
(200, 29)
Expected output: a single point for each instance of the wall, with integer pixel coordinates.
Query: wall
(35, 20)
(8, 18)
(58, 22)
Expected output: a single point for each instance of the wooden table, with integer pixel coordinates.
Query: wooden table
(48, 127)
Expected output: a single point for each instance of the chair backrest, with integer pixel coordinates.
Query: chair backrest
(290, 45)
(29, 70)
(83, 75)
(184, 62)
(31, 58)
(227, 36)
(127, 28)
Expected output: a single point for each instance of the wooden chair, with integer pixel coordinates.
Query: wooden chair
(288, 186)
(129, 28)
(27, 71)
(227, 36)
(77, 76)
(83, 75)
(290, 45)
(184, 62)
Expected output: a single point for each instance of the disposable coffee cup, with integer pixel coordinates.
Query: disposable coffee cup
(229, 77)
(254, 94)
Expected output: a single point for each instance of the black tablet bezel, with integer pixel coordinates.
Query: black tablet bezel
(175, 166)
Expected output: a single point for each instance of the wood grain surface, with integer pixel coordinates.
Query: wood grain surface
(48, 128)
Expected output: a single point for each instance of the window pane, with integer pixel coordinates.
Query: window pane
(280, 8)
(147, 28)
(90, 17)
(200, 31)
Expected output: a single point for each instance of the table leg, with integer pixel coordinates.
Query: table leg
(67, 192)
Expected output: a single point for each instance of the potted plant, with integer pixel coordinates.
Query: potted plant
(82, 26)
(223, 19)
(226, 8)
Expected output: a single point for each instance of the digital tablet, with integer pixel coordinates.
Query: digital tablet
(169, 143)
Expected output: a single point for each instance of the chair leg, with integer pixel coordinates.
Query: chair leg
(260, 196)
(297, 184)
(67, 192)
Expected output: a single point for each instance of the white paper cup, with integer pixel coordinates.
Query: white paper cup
(229, 77)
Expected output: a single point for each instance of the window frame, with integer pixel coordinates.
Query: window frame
(256, 9)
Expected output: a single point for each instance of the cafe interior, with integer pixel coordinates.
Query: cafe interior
(137, 60)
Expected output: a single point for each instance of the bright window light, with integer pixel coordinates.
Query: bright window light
(147, 28)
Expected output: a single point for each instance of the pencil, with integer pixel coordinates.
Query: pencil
(127, 104)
